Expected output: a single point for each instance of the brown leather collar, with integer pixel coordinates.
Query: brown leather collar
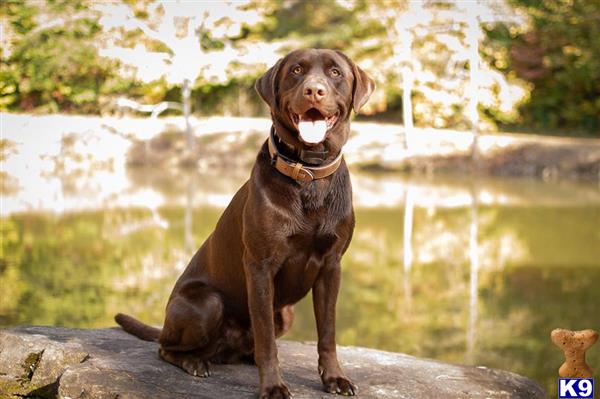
(297, 170)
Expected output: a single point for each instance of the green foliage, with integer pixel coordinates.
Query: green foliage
(53, 65)
(318, 24)
(560, 55)
(50, 60)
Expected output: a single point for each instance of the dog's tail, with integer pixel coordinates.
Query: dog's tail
(137, 328)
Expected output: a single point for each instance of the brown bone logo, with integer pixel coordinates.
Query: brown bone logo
(574, 344)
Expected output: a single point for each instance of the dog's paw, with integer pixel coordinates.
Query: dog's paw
(280, 391)
(340, 385)
(196, 367)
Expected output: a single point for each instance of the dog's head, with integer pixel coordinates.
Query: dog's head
(311, 93)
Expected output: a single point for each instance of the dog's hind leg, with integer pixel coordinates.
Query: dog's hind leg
(283, 320)
(193, 363)
(192, 327)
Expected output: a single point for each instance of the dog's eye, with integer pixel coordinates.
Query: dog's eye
(335, 72)
(297, 70)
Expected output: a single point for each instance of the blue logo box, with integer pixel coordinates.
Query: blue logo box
(576, 388)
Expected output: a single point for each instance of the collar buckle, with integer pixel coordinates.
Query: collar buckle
(305, 175)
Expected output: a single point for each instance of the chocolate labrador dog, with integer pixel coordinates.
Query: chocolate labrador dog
(282, 235)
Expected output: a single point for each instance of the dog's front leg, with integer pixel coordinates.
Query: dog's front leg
(325, 291)
(259, 281)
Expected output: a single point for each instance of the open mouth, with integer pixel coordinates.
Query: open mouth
(313, 125)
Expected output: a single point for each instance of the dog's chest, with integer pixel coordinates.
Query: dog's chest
(320, 225)
(308, 252)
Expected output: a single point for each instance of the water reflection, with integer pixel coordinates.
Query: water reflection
(473, 278)
(189, 205)
(407, 247)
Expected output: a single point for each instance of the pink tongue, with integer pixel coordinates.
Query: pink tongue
(312, 132)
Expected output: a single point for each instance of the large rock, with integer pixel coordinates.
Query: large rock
(109, 363)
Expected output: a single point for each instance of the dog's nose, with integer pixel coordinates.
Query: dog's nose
(315, 91)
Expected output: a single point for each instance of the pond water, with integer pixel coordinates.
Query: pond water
(475, 271)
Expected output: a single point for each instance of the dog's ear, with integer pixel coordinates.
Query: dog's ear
(363, 88)
(363, 84)
(266, 85)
